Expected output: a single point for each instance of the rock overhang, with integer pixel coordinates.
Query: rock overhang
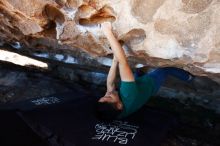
(179, 33)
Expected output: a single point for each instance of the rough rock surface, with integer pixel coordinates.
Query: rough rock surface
(180, 33)
(183, 33)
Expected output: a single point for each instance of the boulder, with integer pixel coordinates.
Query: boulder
(182, 33)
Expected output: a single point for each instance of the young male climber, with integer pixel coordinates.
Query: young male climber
(134, 91)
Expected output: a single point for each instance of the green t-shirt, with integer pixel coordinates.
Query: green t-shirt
(135, 94)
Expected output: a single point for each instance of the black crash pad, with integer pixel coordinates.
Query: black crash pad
(15, 132)
(68, 120)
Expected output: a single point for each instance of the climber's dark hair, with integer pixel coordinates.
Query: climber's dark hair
(106, 111)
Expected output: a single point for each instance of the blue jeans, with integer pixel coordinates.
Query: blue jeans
(159, 75)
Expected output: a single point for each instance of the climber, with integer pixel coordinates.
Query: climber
(135, 90)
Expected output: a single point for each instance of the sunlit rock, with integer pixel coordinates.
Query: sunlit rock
(20, 60)
(144, 10)
(85, 11)
(195, 6)
(105, 14)
(61, 2)
(181, 33)
(134, 36)
(54, 14)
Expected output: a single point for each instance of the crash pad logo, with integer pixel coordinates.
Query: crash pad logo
(46, 100)
(116, 132)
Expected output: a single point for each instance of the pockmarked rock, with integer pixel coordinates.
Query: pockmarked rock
(144, 10)
(183, 33)
(195, 6)
(105, 14)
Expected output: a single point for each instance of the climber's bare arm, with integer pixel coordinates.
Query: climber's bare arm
(124, 68)
(112, 76)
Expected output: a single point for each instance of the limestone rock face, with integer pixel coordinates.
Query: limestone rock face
(181, 33)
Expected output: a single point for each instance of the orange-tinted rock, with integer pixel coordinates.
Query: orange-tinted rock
(32, 9)
(183, 33)
(103, 15)
(54, 14)
(67, 3)
(85, 11)
(88, 44)
(134, 36)
(17, 19)
(61, 2)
